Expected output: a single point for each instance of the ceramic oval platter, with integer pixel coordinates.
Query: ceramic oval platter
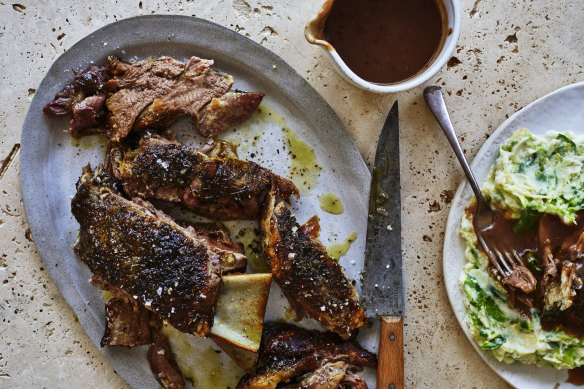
(562, 110)
(51, 163)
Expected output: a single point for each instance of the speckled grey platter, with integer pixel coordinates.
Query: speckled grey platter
(51, 163)
(560, 111)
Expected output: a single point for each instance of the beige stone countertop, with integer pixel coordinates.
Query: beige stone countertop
(510, 53)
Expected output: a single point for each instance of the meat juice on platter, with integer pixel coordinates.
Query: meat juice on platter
(330, 202)
(337, 250)
(304, 162)
(386, 41)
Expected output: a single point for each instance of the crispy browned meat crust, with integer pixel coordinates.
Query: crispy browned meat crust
(129, 323)
(155, 261)
(283, 340)
(312, 281)
(288, 352)
(163, 364)
(221, 189)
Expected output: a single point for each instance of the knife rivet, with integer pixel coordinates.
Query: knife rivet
(391, 386)
(391, 336)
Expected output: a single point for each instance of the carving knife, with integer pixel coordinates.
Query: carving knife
(383, 284)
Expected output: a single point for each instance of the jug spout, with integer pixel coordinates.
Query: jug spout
(314, 30)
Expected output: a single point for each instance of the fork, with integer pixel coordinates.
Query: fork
(507, 263)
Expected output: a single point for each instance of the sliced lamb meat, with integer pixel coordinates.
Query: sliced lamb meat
(151, 94)
(124, 107)
(88, 116)
(197, 86)
(218, 148)
(157, 92)
(127, 322)
(150, 257)
(163, 364)
(226, 111)
(217, 188)
(216, 237)
(213, 235)
(310, 279)
(522, 279)
(353, 381)
(149, 73)
(84, 97)
(283, 341)
(158, 115)
(301, 358)
(87, 83)
(546, 225)
(279, 371)
(328, 376)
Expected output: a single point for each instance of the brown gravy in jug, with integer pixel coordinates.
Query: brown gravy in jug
(386, 41)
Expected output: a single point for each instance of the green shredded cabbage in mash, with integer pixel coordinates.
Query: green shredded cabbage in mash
(532, 173)
(541, 173)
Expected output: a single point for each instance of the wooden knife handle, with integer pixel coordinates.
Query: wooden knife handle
(390, 366)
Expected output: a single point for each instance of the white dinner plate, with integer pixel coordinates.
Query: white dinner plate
(562, 110)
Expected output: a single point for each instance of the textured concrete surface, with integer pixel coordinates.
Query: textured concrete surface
(509, 54)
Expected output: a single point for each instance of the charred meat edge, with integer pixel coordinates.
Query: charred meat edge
(218, 188)
(292, 355)
(138, 249)
(311, 280)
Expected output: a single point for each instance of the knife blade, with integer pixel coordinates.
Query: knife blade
(383, 284)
